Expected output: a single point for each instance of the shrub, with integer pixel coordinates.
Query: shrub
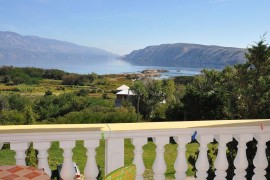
(105, 95)
(48, 93)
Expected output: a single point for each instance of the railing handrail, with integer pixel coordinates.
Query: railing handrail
(52, 132)
(131, 126)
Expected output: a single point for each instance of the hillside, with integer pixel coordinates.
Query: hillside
(18, 50)
(180, 54)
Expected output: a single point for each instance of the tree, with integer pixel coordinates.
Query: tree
(169, 89)
(18, 102)
(4, 105)
(71, 79)
(47, 107)
(53, 74)
(149, 93)
(205, 98)
(29, 115)
(254, 82)
(175, 112)
(11, 117)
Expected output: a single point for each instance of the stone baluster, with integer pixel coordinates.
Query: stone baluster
(180, 164)
(1, 145)
(221, 162)
(260, 160)
(240, 161)
(114, 154)
(91, 169)
(138, 159)
(67, 171)
(20, 149)
(202, 163)
(159, 166)
(42, 148)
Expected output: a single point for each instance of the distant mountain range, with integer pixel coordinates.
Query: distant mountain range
(182, 54)
(18, 50)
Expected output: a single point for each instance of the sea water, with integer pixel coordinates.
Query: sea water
(110, 66)
(116, 66)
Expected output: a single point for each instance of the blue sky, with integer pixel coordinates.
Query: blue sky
(121, 26)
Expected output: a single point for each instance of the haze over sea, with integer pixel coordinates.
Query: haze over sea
(115, 66)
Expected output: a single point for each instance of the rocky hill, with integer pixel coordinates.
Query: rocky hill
(193, 55)
(18, 50)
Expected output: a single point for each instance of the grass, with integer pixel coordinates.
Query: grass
(111, 83)
(7, 157)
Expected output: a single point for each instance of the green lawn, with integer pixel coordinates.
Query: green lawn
(79, 156)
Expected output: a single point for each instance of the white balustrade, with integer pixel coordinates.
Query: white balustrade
(20, 149)
(240, 161)
(202, 163)
(159, 166)
(260, 160)
(91, 169)
(20, 138)
(138, 156)
(180, 164)
(114, 154)
(221, 162)
(42, 148)
(67, 171)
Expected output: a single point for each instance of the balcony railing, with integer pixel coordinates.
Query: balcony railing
(19, 138)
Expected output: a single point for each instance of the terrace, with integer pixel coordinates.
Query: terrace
(19, 138)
